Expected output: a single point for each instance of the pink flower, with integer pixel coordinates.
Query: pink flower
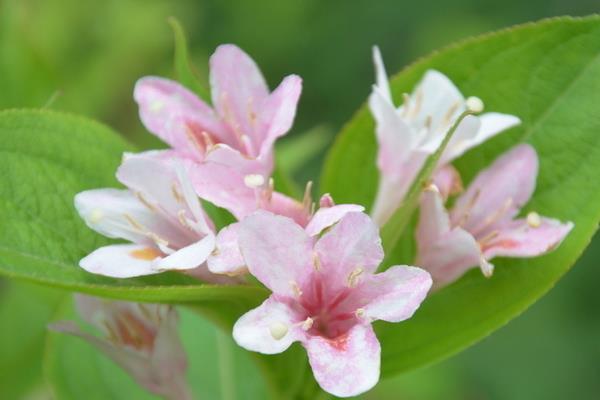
(227, 258)
(233, 143)
(246, 119)
(159, 213)
(408, 134)
(483, 224)
(141, 338)
(325, 295)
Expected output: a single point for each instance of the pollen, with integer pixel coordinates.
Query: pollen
(254, 181)
(307, 324)
(317, 262)
(146, 254)
(534, 220)
(278, 330)
(474, 104)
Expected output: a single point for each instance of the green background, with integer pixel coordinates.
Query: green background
(84, 57)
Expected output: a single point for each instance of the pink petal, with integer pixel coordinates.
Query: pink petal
(277, 252)
(238, 89)
(328, 216)
(188, 257)
(347, 365)
(122, 261)
(395, 294)
(519, 239)
(172, 112)
(228, 156)
(281, 204)
(445, 252)
(227, 258)
(267, 329)
(277, 113)
(224, 187)
(497, 193)
(352, 246)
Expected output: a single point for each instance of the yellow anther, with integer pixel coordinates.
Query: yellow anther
(307, 324)
(353, 277)
(278, 330)
(534, 220)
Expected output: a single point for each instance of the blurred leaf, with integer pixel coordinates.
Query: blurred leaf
(183, 67)
(25, 309)
(547, 73)
(47, 158)
(294, 152)
(76, 370)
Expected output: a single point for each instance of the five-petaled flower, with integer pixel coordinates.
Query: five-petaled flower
(233, 143)
(483, 224)
(159, 213)
(325, 295)
(408, 134)
(141, 338)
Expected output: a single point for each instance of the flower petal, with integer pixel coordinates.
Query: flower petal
(445, 252)
(350, 247)
(281, 204)
(277, 113)
(267, 329)
(227, 258)
(188, 257)
(490, 124)
(277, 252)
(122, 261)
(347, 365)
(381, 79)
(497, 193)
(328, 216)
(173, 113)
(238, 89)
(394, 295)
(521, 239)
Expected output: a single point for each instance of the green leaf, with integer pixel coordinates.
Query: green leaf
(217, 368)
(548, 74)
(25, 309)
(46, 159)
(183, 66)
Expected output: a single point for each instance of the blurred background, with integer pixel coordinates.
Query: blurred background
(84, 57)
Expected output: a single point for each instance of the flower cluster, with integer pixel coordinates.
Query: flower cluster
(320, 265)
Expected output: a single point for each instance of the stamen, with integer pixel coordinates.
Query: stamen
(534, 220)
(254, 181)
(465, 217)
(359, 313)
(307, 200)
(486, 267)
(176, 193)
(278, 330)
(406, 104)
(428, 122)
(296, 289)
(451, 111)
(307, 324)
(317, 262)
(144, 231)
(498, 214)
(474, 104)
(354, 276)
(208, 142)
(145, 202)
(488, 238)
(418, 102)
(183, 220)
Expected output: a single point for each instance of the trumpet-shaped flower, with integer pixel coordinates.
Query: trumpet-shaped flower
(325, 295)
(407, 135)
(227, 258)
(483, 223)
(244, 123)
(159, 213)
(141, 338)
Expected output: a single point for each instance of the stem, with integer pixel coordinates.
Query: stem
(226, 364)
